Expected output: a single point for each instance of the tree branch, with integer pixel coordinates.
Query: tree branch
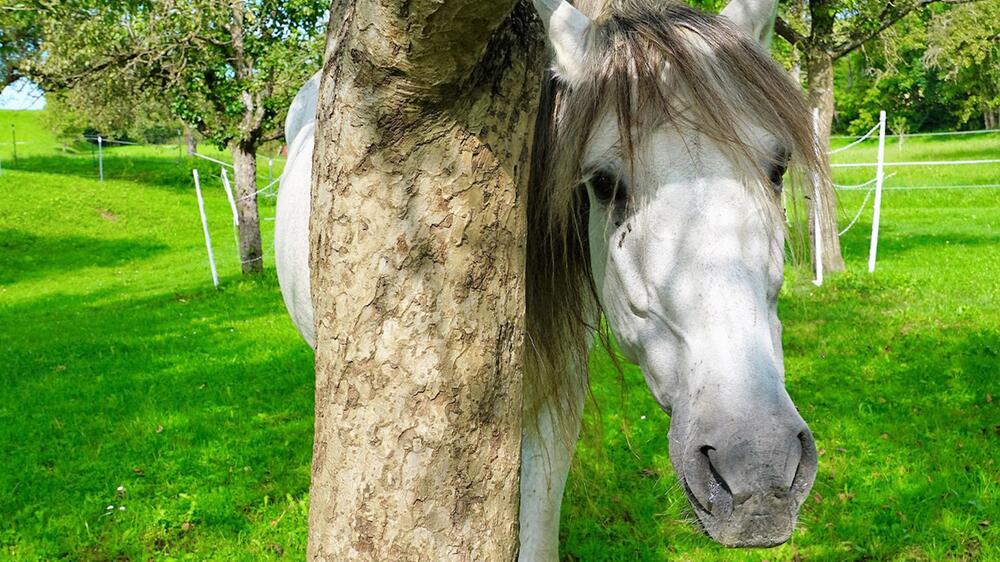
(429, 44)
(890, 18)
(786, 32)
(276, 134)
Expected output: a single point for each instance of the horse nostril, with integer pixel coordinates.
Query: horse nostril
(805, 472)
(719, 494)
(707, 452)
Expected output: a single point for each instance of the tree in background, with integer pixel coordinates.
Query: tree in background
(936, 69)
(19, 39)
(964, 44)
(227, 69)
(72, 113)
(824, 31)
(889, 72)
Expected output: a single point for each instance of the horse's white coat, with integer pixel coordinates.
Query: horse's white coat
(569, 35)
(291, 227)
(546, 455)
(302, 111)
(755, 17)
(689, 282)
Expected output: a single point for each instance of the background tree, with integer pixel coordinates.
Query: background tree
(19, 39)
(425, 119)
(889, 72)
(71, 113)
(828, 30)
(964, 45)
(227, 69)
(937, 69)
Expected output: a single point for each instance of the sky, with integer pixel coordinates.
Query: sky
(22, 94)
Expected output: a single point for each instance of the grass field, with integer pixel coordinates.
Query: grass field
(146, 415)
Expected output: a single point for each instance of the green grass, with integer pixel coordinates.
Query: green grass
(122, 366)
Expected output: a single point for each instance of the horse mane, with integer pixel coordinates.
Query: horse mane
(652, 60)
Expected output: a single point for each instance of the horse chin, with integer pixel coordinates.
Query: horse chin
(762, 520)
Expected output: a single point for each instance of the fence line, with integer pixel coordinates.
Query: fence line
(204, 228)
(210, 159)
(265, 188)
(877, 205)
(939, 134)
(931, 163)
(860, 186)
(232, 206)
(933, 187)
(879, 180)
(99, 138)
(860, 140)
(818, 281)
(857, 216)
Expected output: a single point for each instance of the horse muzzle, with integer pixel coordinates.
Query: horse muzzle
(746, 490)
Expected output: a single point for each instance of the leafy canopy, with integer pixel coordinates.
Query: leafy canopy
(228, 69)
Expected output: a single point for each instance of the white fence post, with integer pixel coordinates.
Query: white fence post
(270, 166)
(232, 206)
(204, 227)
(879, 180)
(100, 157)
(818, 233)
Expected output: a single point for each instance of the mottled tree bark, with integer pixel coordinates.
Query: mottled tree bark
(418, 229)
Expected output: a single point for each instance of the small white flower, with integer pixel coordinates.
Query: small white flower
(121, 508)
(110, 507)
(121, 488)
(642, 418)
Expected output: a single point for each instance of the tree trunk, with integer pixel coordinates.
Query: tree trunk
(417, 251)
(190, 141)
(245, 176)
(819, 81)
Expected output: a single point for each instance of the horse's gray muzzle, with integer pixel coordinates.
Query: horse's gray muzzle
(747, 489)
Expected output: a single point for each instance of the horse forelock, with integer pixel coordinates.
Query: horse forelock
(653, 63)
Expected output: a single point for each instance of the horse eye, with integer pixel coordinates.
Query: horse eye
(778, 174)
(606, 188)
(778, 168)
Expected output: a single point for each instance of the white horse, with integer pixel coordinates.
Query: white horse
(662, 139)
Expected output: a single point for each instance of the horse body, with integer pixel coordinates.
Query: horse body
(291, 230)
(655, 203)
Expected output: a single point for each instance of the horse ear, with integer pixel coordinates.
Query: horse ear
(755, 17)
(569, 33)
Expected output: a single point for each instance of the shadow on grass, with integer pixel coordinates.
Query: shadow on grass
(179, 398)
(159, 172)
(25, 256)
(898, 403)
